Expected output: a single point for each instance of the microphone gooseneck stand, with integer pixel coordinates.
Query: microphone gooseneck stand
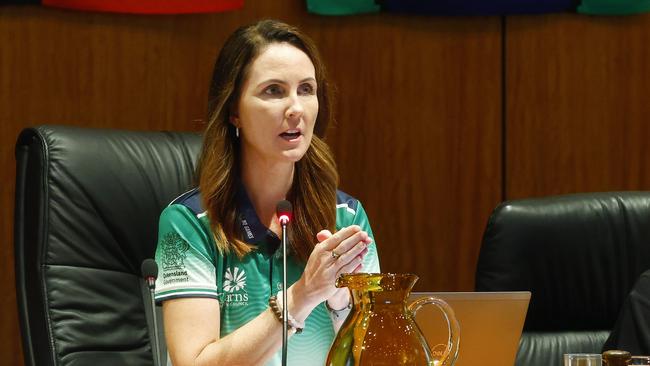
(156, 349)
(150, 273)
(284, 211)
(285, 304)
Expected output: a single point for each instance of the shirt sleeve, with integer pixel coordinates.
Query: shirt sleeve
(185, 255)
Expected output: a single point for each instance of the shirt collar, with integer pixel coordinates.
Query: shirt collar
(252, 229)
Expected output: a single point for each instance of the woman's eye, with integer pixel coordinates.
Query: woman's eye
(273, 90)
(306, 89)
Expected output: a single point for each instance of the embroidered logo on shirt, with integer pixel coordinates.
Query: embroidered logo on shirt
(247, 229)
(173, 258)
(234, 286)
(235, 280)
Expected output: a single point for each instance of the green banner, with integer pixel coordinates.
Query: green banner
(614, 7)
(341, 7)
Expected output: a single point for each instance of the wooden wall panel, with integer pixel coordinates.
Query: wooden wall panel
(577, 104)
(418, 140)
(418, 134)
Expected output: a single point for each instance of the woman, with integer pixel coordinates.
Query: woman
(218, 244)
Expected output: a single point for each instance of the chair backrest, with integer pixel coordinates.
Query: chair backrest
(578, 254)
(86, 216)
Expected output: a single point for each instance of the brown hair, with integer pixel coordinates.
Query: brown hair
(313, 192)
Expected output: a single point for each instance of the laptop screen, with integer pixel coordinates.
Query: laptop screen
(490, 325)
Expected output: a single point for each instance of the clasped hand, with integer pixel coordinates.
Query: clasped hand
(338, 253)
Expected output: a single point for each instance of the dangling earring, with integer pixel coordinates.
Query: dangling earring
(237, 132)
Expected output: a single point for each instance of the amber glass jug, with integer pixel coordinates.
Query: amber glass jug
(381, 329)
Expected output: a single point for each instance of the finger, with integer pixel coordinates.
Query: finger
(321, 246)
(357, 241)
(363, 253)
(350, 267)
(358, 250)
(334, 240)
(323, 235)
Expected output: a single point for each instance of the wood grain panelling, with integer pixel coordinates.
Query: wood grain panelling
(577, 104)
(417, 139)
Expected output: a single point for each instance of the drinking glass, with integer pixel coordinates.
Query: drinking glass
(583, 359)
(640, 360)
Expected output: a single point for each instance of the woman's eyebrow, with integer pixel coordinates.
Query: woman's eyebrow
(272, 81)
(279, 81)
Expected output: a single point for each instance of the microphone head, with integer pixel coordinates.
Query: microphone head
(284, 211)
(149, 269)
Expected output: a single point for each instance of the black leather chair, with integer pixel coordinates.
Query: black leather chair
(86, 215)
(578, 254)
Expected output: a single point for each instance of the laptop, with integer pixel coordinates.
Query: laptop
(490, 325)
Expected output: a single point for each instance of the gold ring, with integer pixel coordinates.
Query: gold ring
(335, 255)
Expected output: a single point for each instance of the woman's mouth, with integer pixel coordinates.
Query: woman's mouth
(290, 135)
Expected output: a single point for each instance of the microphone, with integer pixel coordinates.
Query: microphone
(149, 270)
(284, 212)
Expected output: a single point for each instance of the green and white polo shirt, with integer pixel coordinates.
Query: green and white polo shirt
(191, 266)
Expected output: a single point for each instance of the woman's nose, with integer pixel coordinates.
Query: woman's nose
(295, 108)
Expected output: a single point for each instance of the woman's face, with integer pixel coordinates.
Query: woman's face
(278, 105)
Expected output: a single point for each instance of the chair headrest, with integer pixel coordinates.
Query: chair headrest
(579, 255)
(103, 190)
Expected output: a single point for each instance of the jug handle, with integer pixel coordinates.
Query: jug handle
(453, 342)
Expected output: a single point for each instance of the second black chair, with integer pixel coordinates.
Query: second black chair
(578, 254)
